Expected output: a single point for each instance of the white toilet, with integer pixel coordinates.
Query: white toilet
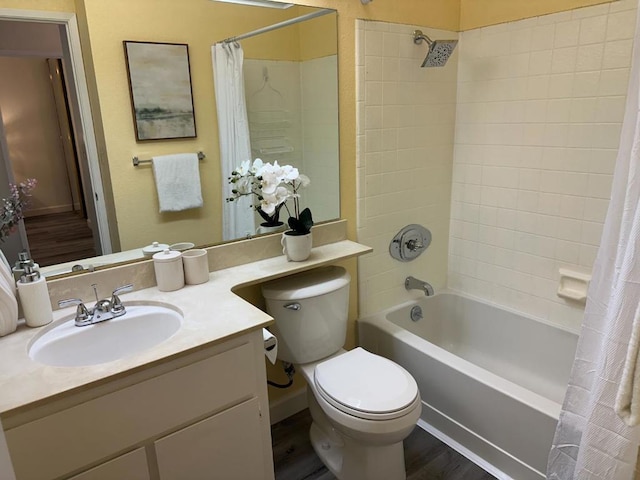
(362, 405)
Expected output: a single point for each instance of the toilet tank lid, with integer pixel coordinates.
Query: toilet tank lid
(308, 284)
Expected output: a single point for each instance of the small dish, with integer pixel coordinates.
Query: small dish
(182, 246)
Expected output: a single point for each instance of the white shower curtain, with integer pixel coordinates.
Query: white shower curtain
(594, 438)
(233, 129)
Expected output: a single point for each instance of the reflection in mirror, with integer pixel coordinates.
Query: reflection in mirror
(297, 63)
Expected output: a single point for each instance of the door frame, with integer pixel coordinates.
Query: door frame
(69, 22)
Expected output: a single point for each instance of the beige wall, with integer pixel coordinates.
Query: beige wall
(480, 13)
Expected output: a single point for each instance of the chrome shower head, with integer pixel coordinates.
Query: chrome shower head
(439, 50)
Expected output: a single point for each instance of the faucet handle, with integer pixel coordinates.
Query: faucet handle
(116, 304)
(414, 245)
(81, 312)
(123, 289)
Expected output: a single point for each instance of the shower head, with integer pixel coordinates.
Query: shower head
(439, 50)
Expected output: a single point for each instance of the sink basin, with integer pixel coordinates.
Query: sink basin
(142, 327)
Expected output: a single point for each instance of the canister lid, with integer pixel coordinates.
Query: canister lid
(155, 247)
(166, 256)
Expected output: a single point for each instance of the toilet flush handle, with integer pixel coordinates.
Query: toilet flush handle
(293, 306)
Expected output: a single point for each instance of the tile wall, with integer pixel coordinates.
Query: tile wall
(406, 120)
(540, 104)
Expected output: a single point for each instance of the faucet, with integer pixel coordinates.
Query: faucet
(412, 283)
(103, 310)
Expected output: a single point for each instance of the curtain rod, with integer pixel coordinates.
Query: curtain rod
(275, 26)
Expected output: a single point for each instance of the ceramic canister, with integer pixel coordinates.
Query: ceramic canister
(196, 266)
(169, 270)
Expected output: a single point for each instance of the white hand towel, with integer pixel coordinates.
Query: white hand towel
(177, 181)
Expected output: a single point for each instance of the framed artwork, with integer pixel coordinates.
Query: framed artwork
(160, 87)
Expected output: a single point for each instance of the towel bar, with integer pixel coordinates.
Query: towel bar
(137, 161)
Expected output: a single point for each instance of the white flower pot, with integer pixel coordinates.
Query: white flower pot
(296, 248)
(265, 228)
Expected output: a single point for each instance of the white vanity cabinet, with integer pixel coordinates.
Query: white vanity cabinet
(203, 414)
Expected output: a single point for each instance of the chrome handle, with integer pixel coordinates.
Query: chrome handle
(293, 306)
(116, 305)
(67, 302)
(82, 314)
(414, 245)
(123, 289)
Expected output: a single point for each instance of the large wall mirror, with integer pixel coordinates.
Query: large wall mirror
(290, 81)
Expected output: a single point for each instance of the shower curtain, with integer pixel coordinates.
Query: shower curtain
(233, 131)
(597, 436)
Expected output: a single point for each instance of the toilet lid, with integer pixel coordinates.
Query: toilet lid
(366, 385)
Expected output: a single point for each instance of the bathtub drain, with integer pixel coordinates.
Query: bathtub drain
(416, 313)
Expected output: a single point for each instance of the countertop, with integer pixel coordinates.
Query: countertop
(212, 313)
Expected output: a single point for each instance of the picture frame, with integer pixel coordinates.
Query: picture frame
(160, 87)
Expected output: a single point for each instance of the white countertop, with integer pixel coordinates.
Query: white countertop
(212, 313)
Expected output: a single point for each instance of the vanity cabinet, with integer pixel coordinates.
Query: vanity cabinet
(200, 415)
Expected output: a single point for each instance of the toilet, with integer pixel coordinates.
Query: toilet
(362, 405)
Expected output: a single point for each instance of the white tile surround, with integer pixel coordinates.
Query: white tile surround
(406, 120)
(539, 112)
(537, 120)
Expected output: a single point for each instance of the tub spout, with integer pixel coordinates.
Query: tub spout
(412, 283)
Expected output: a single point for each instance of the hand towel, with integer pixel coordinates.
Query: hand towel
(177, 181)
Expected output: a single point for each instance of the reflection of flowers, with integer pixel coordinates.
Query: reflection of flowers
(272, 185)
(13, 207)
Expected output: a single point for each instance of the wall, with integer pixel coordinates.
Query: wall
(480, 13)
(30, 38)
(540, 107)
(406, 118)
(320, 134)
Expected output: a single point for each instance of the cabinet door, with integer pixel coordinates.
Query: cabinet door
(225, 446)
(132, 466)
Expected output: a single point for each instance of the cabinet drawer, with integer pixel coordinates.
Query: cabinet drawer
(86, 433)
(132, 466)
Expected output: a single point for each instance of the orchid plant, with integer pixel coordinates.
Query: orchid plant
(14, 206)
(273, 185)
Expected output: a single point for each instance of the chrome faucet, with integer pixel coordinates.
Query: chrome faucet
(412, 283)
(103, 310)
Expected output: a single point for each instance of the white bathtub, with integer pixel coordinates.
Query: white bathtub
(491, 380)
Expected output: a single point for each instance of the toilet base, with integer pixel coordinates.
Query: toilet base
(348, 459)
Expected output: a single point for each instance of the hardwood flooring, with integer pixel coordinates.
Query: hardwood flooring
(59, 238)
(426, 457)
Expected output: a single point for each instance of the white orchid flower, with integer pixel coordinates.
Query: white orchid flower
(269, 182)
(243, 186)
(243, 169)
(257, 166)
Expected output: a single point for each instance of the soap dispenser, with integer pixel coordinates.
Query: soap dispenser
(18, 268)
(34, 297)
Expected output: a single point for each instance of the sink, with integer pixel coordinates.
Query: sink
(142, 327)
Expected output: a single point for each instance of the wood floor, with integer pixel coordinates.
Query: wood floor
(59, 238)
(426, 458)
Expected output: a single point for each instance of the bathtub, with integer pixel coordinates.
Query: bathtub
(491, 380)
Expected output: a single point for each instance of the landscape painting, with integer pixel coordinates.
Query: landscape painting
(160, 86)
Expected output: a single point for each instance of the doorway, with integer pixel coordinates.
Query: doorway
(66, 220)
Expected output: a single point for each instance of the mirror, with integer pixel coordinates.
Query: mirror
(295, 65)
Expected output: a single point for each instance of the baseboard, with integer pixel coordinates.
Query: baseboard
(288, 405)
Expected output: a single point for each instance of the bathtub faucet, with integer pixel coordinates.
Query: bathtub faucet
(412, 283)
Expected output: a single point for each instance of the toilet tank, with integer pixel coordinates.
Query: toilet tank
(310, 311)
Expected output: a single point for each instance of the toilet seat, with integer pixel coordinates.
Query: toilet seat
(366, 386)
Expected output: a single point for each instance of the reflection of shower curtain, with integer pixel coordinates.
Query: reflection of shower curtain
(593, 439)
(233, 130)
